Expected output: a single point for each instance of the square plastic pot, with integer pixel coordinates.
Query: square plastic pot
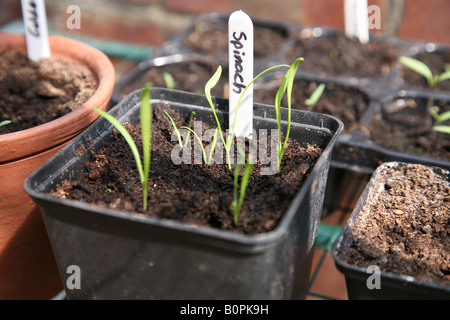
(392, 285)
(128, 256)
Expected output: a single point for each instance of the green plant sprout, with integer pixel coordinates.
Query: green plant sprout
(193, 113)
(170, 81)
(315, 96)
(207, 160)
(418, 66)
(432, 80)
(441, 118)
(146, 116)
(286, 84)
(237, 202)
(5, 122)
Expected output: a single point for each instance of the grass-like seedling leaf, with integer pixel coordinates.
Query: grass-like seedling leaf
(285, 87)
(206, 159)
(315, 96)
(146, 131)
(421, 68)
(193, 113)
(5, 122)
(170, 81)
(210, 84)
(441, 118)
(238, 201)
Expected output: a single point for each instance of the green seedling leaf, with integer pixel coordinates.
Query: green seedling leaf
(5, 122)
(315, 96)
(444, 129)
(180, 141)
(440, 117)
(146, 113)
(285, 87)
(444, 76)
(170, 81)
(146, 127)
(419, 67)
(205, 159)
(237, 203)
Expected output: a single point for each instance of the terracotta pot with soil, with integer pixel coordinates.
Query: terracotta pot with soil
(400, 226)
(49, 103)
(94, 199)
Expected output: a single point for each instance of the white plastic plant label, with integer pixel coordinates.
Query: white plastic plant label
(36, 32)
(356, 14)
(240, 53)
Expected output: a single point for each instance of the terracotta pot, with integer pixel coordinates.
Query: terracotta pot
(27, 267)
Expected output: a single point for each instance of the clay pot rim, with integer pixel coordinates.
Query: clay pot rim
(24, 143)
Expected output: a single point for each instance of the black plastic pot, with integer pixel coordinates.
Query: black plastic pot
(392, 285)
(128, 256)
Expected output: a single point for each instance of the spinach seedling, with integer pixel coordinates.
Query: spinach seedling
(287, 82)
(146, 115)
(5, 122)
(213, 145)
(418, 66)
(432, 79)
(170, 81)
(285, 86)
(315, 96)
(193, 113)
(238, 201)
(441, 118)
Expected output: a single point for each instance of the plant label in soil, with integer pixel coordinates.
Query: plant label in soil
(356, 14)
(240, 55)
(36, 32)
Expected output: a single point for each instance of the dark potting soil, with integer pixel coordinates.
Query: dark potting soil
(405, 226)
(436, 61)
(408, 129)
(33, 93)
(341, 101)
(212, 38)
(336, 55)
(189, 76)
(191, 193)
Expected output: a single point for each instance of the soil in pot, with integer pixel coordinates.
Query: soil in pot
(191, 193)
(344, 102)
(404, 126)
(33, 93)
(211, 38)
(436, 61)
(403, 227)
(336, 55)
(189, 76)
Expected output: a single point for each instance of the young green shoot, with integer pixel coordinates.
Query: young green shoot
(206, 159)
(180, 140)
(5, 122)
(432, 80)
(441, 118)
(238, 201)
(170, 81)
(146, 115)
(285, 87)
(315, 96)
(418, 66)
(213, 81)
